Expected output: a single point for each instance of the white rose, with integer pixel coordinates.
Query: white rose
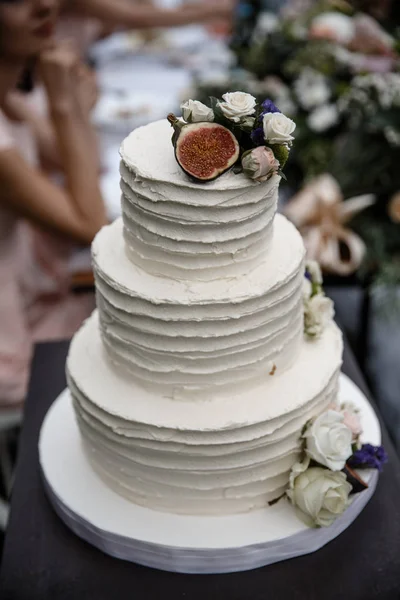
(237, 105)
(319, 495)
(194, 111)
(328, 440)
(318, 312)
(278, 128)
(313, 268)
(323, 117)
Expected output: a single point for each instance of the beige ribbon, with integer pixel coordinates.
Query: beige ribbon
(320, 214)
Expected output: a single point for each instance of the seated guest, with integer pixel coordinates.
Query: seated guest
(39, 221)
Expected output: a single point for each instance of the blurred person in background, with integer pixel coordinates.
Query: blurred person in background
(82, 22)
(87, 20)
(40, 221)
(128, 14)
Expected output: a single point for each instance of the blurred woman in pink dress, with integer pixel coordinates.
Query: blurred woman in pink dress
(40, 221)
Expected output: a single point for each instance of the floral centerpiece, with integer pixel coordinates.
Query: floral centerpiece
(336, 72)
(232, 132)
(306, 62)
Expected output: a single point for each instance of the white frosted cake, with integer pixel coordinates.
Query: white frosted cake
(193, 379)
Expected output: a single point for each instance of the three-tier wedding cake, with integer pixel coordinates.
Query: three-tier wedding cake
(192, 381)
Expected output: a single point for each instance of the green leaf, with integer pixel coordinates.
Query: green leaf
(281, 153)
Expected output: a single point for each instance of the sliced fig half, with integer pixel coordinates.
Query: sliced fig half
(205, 150)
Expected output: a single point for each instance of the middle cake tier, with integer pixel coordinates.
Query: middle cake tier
(198, 339)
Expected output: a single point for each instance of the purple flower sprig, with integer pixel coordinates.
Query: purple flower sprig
(269, 107)
(257, 136)
(368, 457)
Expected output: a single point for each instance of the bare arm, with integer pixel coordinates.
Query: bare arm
(77, 212)
(41, 127)
(78, 152)
(32, 195)
(122, 13)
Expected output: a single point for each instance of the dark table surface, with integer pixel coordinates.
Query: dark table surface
(43, 560)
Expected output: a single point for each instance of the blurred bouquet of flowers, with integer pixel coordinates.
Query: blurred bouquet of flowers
(336, 73)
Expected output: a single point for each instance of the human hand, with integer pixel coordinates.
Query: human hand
(87, 89)
(58, 68)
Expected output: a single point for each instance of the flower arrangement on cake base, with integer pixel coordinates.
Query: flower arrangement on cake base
(323, 481)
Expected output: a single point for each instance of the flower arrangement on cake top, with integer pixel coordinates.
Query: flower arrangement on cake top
(234, 132)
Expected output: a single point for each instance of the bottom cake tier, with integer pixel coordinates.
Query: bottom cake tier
(228, 455)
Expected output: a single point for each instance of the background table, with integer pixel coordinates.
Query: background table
(43, 560)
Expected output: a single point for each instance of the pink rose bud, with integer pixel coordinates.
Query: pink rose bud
(260, 163)
(353, 422)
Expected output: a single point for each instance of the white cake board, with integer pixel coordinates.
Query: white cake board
(180, 543)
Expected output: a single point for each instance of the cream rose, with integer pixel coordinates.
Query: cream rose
(237, 105)
(278, 128)
(194, 111)
(307, 289)
(319, 495)
(328, 440)
(259, 164)
(318, 312)
(313, 268)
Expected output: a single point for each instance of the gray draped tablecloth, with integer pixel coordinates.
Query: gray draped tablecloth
(43, 560)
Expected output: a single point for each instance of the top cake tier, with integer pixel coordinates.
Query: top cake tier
(175, 227)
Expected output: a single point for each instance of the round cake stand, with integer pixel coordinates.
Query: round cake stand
(180, 543)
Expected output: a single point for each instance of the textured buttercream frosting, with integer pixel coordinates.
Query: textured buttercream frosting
(195, 338)
(192, 381)
(232, 454)
(175, 227)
